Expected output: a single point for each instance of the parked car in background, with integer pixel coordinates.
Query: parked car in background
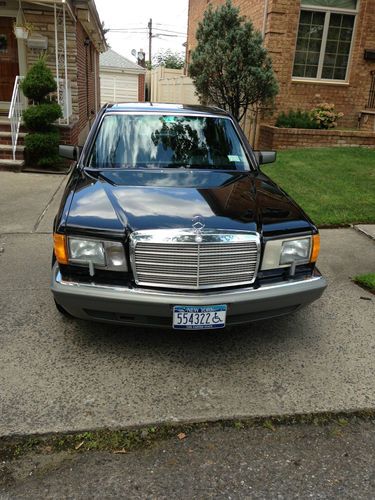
(168, 220)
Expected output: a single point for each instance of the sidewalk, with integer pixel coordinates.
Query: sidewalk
(29, 202)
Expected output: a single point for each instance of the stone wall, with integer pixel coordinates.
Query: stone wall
(274, 138)
(82, 60)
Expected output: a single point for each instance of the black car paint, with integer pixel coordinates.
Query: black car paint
(114, 202)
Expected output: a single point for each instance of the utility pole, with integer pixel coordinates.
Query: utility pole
(149, 41)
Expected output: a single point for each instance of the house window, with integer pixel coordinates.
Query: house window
(324, 39)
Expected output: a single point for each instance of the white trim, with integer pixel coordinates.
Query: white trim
(300, 79)
(323, 46)
(52, 3)
(119, 71)
(66, 65)
(56, 53)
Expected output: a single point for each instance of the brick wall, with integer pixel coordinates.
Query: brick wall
(280, 39)
(141, 88)
(197, 8)
(349, 98)
(274, 138)
(86, 78)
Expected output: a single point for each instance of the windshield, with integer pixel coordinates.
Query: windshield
(166, 141)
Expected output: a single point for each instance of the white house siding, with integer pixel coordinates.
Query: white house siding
(118, 87)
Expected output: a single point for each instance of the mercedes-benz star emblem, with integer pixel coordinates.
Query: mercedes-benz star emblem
(198, 225)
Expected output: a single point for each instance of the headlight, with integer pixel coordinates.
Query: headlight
(81, 251)
(285, 252)
(295, 250)
(90, 252)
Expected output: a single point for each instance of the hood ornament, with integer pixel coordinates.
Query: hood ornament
(198, 226)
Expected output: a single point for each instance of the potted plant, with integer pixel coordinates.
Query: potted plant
(22, 29)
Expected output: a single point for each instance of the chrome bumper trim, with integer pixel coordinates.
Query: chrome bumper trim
(58, 284)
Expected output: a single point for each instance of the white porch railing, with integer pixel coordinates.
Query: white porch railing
(17, 105)
(64, 98)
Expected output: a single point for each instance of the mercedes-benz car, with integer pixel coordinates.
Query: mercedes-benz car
(167, 220)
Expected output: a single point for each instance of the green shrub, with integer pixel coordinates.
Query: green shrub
(40, 117)
(38, 82)
(42, 148)
(296, 119)
(325, 116)
(42, 143)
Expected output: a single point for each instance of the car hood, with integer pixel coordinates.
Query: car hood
(130, 200)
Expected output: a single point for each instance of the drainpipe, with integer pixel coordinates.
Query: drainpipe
(265, 15)
(87, 48)
(256, 118)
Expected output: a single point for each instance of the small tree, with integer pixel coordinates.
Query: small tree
(169, 59)
(230, 67)
(42, 141)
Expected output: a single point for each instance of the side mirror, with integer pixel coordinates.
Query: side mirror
(265, 157)
(69, 152)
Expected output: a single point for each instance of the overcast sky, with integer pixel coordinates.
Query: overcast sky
(169, 17)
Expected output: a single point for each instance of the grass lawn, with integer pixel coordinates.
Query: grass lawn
(333, 185)
(366, 280)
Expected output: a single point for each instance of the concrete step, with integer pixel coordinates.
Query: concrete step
(6, 138)
(11, 165)
(6, 152)
(5, 125)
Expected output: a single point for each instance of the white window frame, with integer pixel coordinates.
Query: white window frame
(327, 11)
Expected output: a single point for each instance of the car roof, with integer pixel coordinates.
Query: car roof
(165, 108)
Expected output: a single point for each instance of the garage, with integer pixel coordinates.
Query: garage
(121, 80)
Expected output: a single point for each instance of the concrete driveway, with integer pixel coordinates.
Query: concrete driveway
(59, 374)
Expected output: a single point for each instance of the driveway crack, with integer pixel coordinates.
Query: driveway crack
(41, 216)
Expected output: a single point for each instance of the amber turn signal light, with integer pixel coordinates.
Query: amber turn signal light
(60, 249)
(315, 248)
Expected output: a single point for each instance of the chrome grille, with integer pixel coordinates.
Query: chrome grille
(175, 259)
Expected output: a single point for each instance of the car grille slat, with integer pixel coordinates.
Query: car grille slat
(195, 264)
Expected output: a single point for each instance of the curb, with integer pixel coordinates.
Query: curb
(363, 231)
(13, 446)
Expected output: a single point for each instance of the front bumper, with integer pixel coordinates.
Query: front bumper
(146, 307)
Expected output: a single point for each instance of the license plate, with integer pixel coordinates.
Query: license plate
(199, 317)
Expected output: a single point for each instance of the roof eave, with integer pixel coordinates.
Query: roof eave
(116, 69)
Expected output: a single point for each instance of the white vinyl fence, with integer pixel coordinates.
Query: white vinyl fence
(172, 86)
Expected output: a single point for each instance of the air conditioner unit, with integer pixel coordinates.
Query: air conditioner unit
(37, 41)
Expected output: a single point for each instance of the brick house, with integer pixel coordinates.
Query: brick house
(322, 51)
(74, 27)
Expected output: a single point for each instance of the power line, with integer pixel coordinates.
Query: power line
(125, 30)
(172, 31)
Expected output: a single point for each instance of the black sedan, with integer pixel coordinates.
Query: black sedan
(168, 220)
